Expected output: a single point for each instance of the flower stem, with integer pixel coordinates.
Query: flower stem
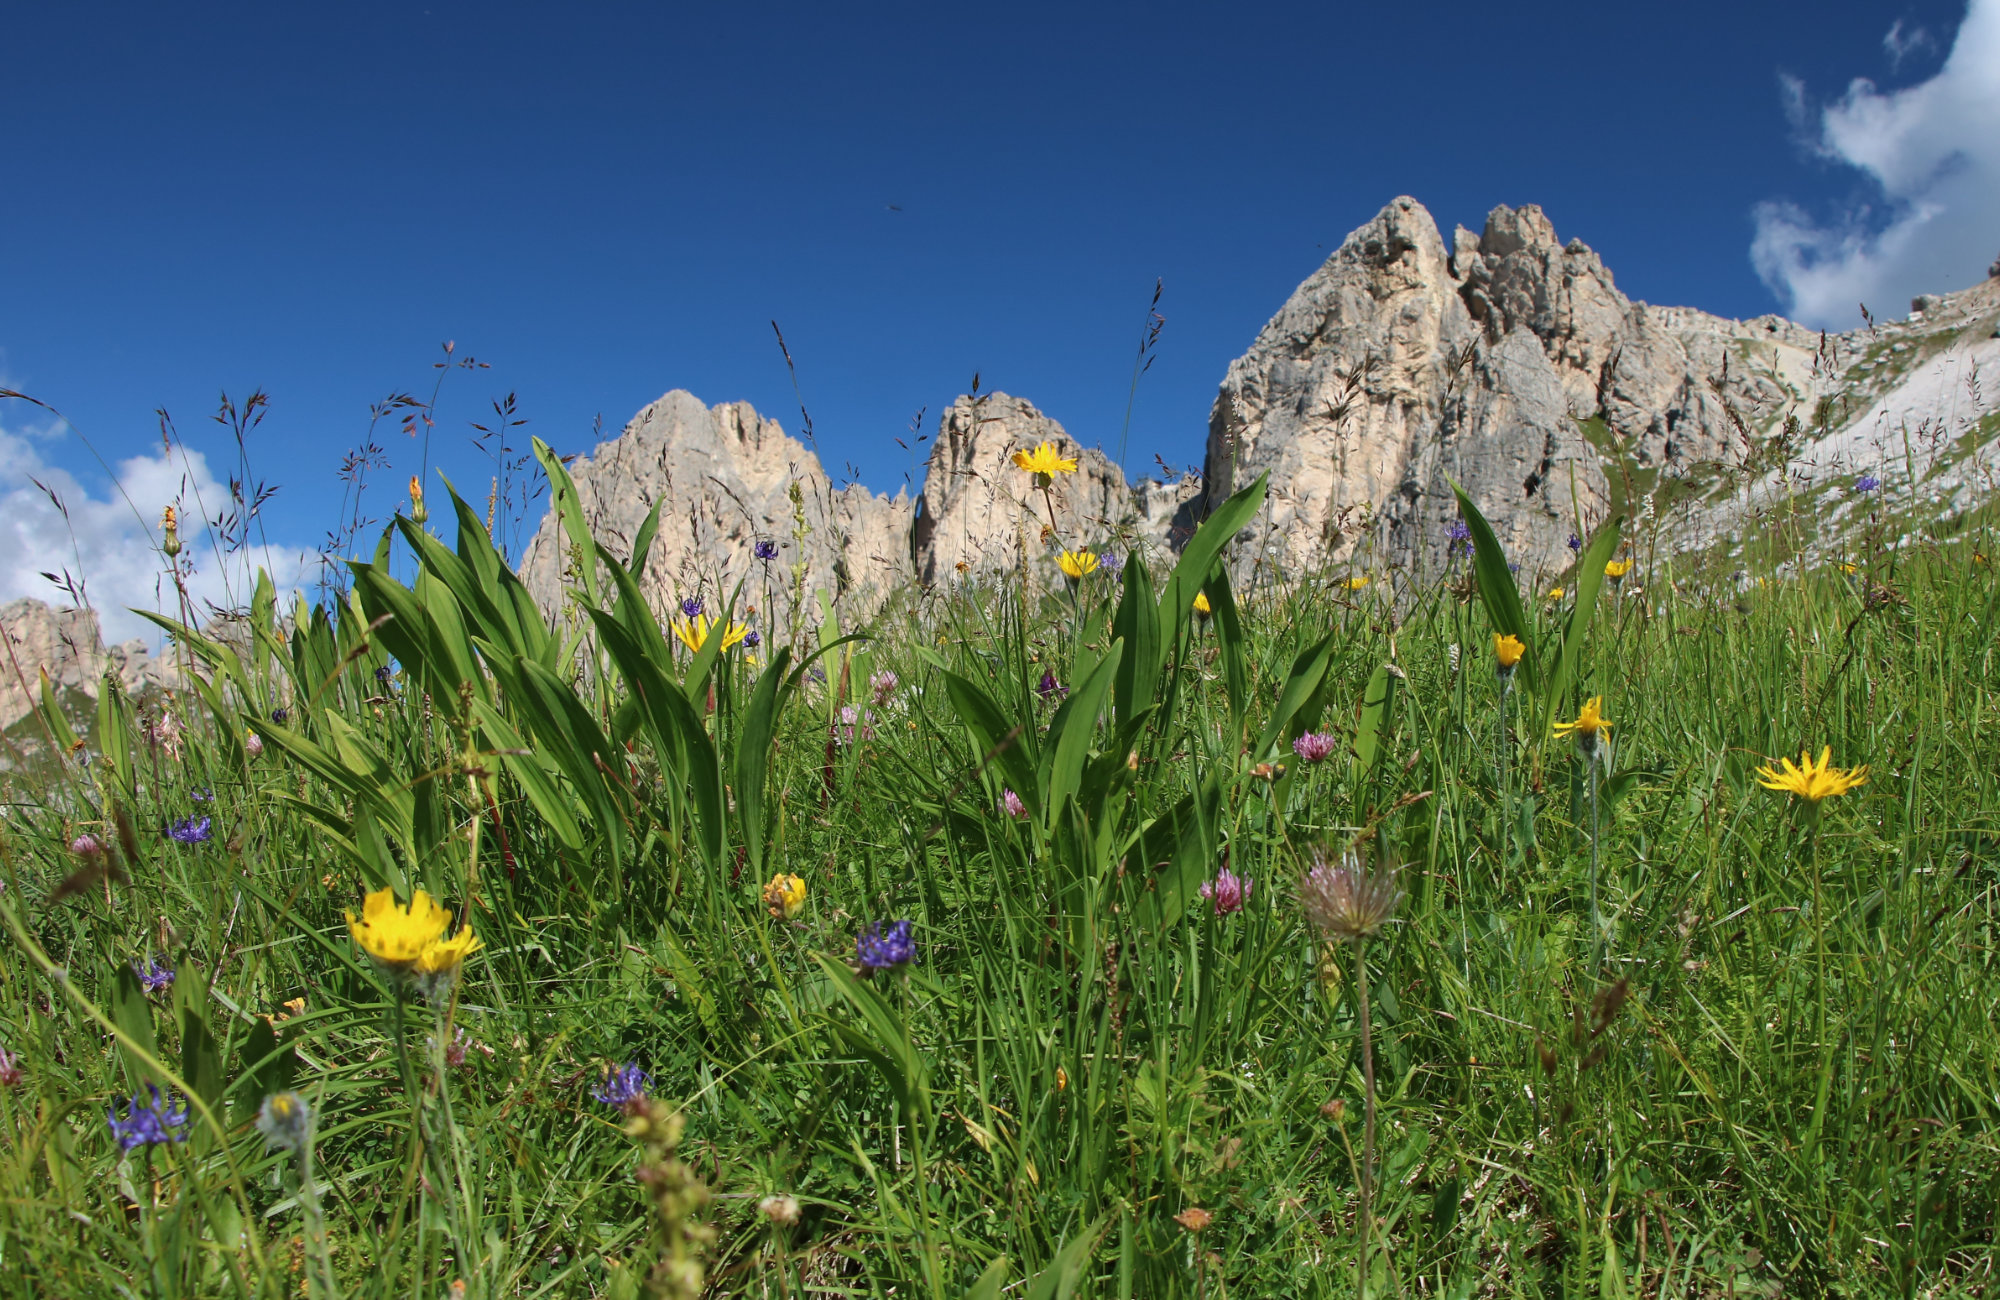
(1368, 1111)
(1596, 916)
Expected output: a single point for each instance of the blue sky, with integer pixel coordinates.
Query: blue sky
(606, 202)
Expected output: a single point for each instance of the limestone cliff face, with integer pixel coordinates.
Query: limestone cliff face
(727, 477)
(1400, 367)
(65, 644)
(979, 512)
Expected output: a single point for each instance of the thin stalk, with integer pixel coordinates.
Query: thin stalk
(1596, 916)
(316, 1246)
(1368, 1112)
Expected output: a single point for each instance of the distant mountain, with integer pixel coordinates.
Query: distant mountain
(1509, 363)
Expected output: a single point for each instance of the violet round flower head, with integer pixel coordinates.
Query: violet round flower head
(86, 846)
(1111, 565)
(1457, 539)
(190, 830)
(1010, 803)
(1049, 687)
(1228, 891)
(1575, 544)
(384, 673)
(879, 949)
(155, 976)
(148, 1125)
(753, 638)
(1315, 746)
(765, 550)
(691, 607)
(202, 794)
(1867, 483)
(280, 716)
(883, 685)
(624, 1086)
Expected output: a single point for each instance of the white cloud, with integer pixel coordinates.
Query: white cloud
(111, 544)
(1932, 154)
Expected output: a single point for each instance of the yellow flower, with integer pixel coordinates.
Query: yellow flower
(1809, 780)
(1075, 564)
(1357, 582)
(397, 936)
(1588, 723)
(694, 632)
(1616, 569)
(1044, 462)
(1849, 569)
(1555, 593)
(1508, 650)
(1201, 606)
(444, 956)
(784, 896)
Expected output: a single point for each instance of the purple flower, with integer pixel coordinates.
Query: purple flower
(86, 846)
(1049, 687)
(1010, 803)
(190, 830)
(1112, 566)
(1575, 544)
(883, 684)
(1315, 746)
(10, 1069)
(1228, 891)
(155, 976)
(843, 731)
(1457, 539)
(384, 673)
(753, 638)
(816, 675)
(879, 950)
(624, 1086)
(765, 550)
(202, 794)
(280, 715)
(691, 607)
(148, 1125)
(1867, 483)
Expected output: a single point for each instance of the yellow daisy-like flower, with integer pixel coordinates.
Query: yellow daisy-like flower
(397, 936)
(1357, 582)
(1044, 462)
(446, 955)
(694, 632)
(1075, 564)
(1508, 650)
(784, 896)
(1201, 605)
(1616, 569)
(1589, 721)
(1555, 593)
(1809, 780)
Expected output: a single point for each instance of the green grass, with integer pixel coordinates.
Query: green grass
(1782, 1080)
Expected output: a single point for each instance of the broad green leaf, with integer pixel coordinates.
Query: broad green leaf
(887, 1041)
(133, 1013)
(1229, 636)
(1071, 731)
(1002, 746)
(1497, 590)
(1137, 624)
(1059, 1280)
(753, 757)
(1198, 559)
(1589, 580)
(569, 510)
